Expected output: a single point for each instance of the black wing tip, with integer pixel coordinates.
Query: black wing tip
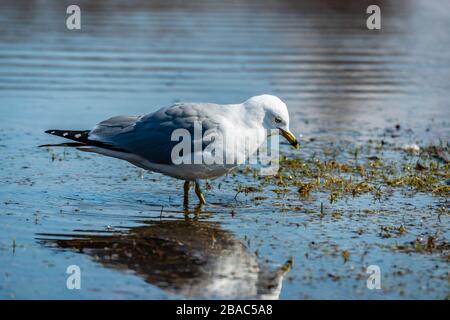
(77, 135)
(58, 131)
(81, 138)
(66, 144)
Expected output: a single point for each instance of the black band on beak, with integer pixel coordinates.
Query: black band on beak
(290, 137)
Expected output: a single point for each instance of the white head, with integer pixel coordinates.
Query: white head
(273, 114)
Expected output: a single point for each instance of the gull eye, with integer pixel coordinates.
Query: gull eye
(278, 120)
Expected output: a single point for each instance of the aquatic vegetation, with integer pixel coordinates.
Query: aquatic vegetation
(428, 245)
(345, 255)
(332, 180)
(356, 175)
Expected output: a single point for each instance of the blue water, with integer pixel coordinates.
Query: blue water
(343, 84)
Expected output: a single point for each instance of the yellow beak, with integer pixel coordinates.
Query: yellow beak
(290, 137)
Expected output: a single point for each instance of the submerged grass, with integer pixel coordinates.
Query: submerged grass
(357, 175)
(381, 172)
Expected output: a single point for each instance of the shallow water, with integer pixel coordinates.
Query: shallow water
(128, 232)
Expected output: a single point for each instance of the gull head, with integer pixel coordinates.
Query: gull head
(274, 115)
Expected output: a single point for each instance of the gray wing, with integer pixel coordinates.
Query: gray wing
(112, 127)
(149, 136)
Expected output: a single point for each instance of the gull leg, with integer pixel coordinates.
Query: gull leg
(285, 268)
(199, 193)
(197, 211)
(186, 193)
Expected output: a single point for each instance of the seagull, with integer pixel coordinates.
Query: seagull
(148, 141)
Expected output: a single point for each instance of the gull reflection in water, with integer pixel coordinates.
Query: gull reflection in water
(196, 259)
